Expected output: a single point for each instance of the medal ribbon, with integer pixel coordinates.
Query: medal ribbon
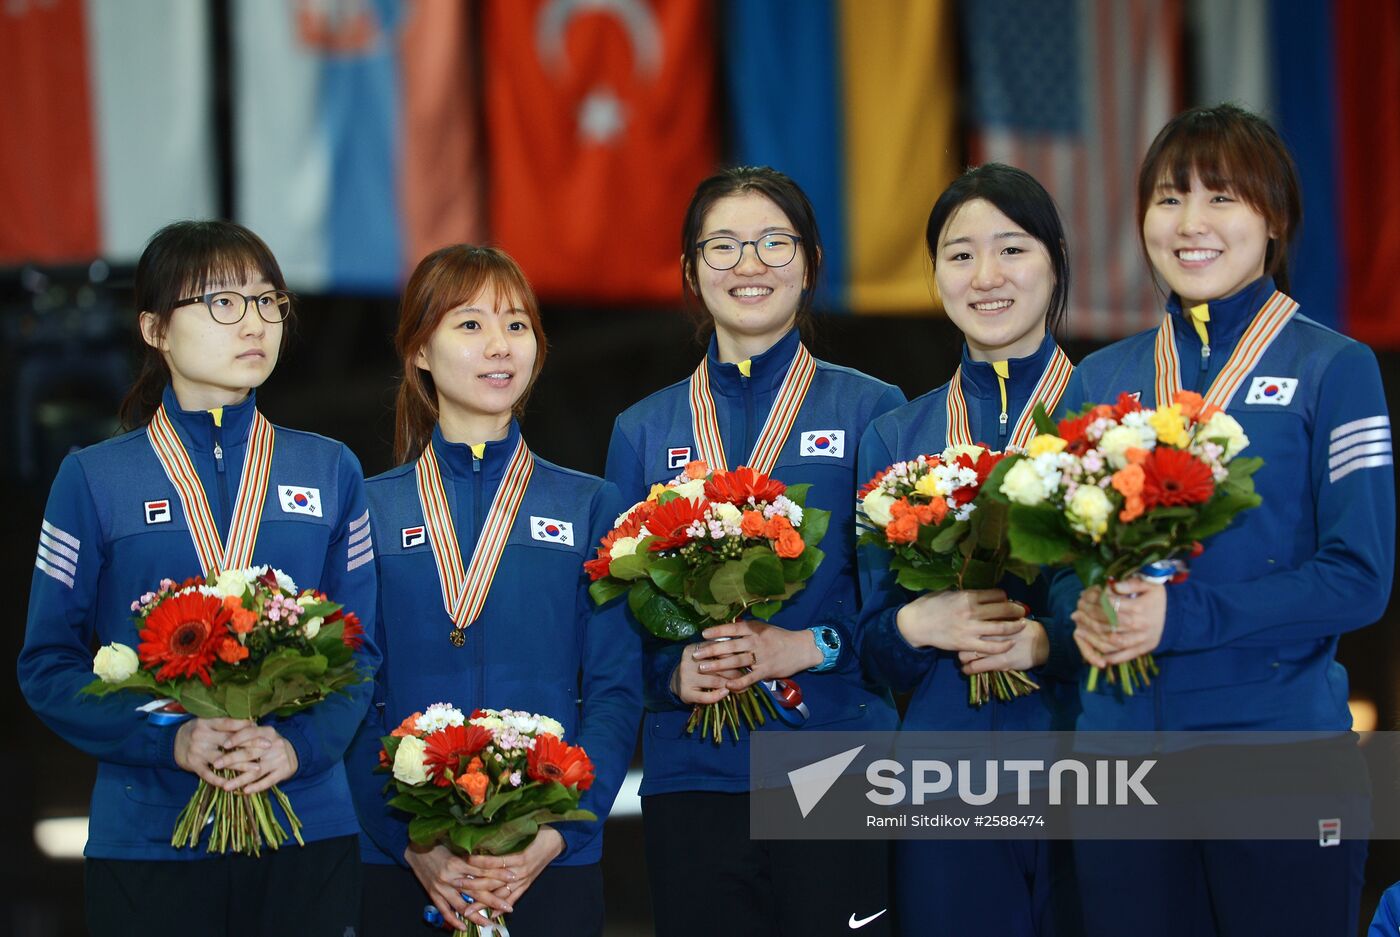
(1267, 324)
(776, 428)
(1048, 390)
(464, 588)
(237, 552)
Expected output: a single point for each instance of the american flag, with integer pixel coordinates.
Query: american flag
(1073, 91)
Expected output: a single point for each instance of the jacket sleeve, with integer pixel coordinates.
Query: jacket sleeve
(889, 658)
(321, 734)
(55, 662)
(611, 697)
(1345, 585)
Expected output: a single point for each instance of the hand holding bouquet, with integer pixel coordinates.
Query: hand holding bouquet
(1115, 488)
(484, 784)
(941, 535)
(240, 645)
(706, 549)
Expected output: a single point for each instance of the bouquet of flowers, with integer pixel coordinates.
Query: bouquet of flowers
(484, 784)
(706, 549)
(941, 535)
(1114, 489)
(242, 645)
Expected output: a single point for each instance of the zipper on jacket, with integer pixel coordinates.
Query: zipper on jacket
(1205, 369)
(749, 419)
(477, 519)
(219, 471)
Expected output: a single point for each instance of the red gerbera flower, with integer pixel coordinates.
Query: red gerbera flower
(552, 760)
(1126, 404)
(448, 748)
(668, 523)
(631, 526)
(183, 635)
(354, 634)
(1175, 477)
(1073, 430)
(738, 486)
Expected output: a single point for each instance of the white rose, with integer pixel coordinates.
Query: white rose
(727, 513)
(312, 626)
(232, 582)
(623, 546)
(284, 582)
(1023, 483)
(952, 452)
(115, 662)
(692, 490)
(409, 765)
(877, 507)
(1226, 430)
(1115, 444)
(1088, 510)
(551, 726)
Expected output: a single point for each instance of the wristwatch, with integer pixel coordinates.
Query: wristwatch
(829, 643)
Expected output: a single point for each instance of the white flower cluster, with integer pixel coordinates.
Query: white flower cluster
(438, 717)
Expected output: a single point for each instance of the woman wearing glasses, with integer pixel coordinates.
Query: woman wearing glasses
(751, 255)
(213, 306)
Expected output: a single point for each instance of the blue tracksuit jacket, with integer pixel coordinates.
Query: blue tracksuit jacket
(103, 544)
(1251, 638)
(651, 442)
(939, 689)
(538, 645)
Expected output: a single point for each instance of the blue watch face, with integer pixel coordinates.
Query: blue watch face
(830, 638)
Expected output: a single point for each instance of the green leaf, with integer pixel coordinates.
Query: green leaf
(946, 537)
(727, 583)
(797, 494)
(764, 576)
(1091, 570)
(603, 591)
(661, 615)
(426, 830)
(991, 488)
(765, 610)
(1039, 534)
(814, 525)
(669, 574)
(1043, 423)
(926, 578)
(200, 700)
(802, 568)
(629, 567)
(981, 574)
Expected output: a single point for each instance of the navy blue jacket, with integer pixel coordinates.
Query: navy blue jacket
(939, 688)
(101, 547)
(651, 441)
(538, 644)
(1251, 638)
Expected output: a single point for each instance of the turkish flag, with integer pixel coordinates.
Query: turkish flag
(601, 122)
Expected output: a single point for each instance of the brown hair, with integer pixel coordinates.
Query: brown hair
(442, 281)
(181, 260)
(782, 191)
(1229, 149)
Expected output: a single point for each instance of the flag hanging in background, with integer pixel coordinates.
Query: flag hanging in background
(354, 144)
(601, 119)
(1073, 91)
(103, 146)
(855, 101)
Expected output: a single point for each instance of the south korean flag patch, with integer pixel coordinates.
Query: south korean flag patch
(551, 530)
(296, 499)
(1275, 391)
(828, 443)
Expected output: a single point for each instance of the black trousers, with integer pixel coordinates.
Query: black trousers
(708, 877)
(296, 891)
(565, 901)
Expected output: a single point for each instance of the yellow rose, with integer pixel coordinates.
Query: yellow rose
(1088, 511)
(929, 487)
(623, 546)
(409, 766)
(1170, 426)
(1225, 430)
(877, 507)
(1023, 483)
(115, 662)
(1044, 443)
(952, 452)
(1115, 443)
(657, 491)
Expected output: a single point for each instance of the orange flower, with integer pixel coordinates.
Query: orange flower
(904, 529)
(789, 544)
(933, 512)
(1208, 411)
(1191, 403)
(1132, 508)
(1128, 480)
(775, 526)
(183, 634)
(901, 508)
(699, 468)
(1134, 455)
(1101, 411)
(552, 760)
(751, 524)
(408, 727)
(474, 782)
(243, 620)
(231, 652)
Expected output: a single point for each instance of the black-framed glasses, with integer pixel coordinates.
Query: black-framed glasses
(228, 307)
(724, 253)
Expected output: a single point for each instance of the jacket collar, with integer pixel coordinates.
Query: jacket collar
(979, 378)
(456, 459)
(1229, 317)
(198, 430)
(766, 370)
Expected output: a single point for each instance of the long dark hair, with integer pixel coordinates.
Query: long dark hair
(782, 191)
(1018, 196)
(181, 260)
(442, 281)
(1229, 149)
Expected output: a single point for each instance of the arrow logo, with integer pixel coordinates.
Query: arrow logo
(810, 783)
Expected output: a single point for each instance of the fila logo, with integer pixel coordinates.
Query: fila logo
(298, 500)
(677, 457)
(1277, 391)
(158, 512)
(412, 536)
(1329, 832)
(551, 530)
(830, 443)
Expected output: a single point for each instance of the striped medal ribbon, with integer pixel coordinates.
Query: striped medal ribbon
(464, 588)
(237, 552)
(1048, 390)
(775, 429)
(1268, 323)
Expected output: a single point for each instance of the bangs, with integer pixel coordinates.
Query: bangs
(228, 265)
(1216, 160)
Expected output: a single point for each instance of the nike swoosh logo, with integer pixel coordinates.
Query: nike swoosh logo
(853, 924)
